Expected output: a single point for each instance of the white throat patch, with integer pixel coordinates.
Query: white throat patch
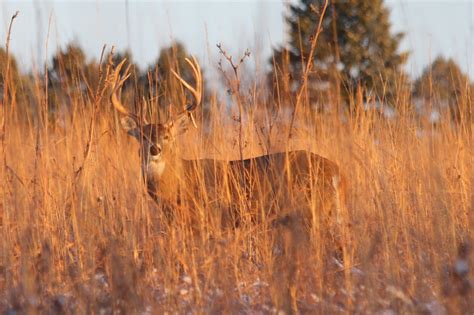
(155, 168)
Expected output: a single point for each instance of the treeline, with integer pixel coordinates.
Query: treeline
(71, 80)
(340, 54)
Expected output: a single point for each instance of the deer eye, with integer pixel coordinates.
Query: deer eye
(166, 137)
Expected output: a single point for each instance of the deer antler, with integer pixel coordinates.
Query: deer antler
(117, 80)
(196, 92)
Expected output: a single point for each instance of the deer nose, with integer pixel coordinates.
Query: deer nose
(155, 150)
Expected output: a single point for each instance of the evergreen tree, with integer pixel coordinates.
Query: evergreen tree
(71, 78)
(68, 65)
(355, 48)
(70, 71)
(443, 85)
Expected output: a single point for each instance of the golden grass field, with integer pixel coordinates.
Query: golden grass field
(93, 241)
(79, 234)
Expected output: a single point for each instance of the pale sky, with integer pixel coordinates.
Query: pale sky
(431, 27)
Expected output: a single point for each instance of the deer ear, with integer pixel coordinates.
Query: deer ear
(130, 127)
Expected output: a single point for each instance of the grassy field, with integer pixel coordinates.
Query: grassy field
(79, 233)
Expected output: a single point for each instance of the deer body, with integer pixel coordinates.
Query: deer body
(266, 178)
(301, 176)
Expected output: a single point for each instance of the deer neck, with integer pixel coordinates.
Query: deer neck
(154, 168)
(157, 168)
(162, 175)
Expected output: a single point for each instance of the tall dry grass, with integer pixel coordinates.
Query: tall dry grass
(79, 233)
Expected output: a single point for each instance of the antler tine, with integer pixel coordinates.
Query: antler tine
(123, 78)
(118, 81)
(198, 74)
(197, 92)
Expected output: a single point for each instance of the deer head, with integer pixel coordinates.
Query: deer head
(156, 138)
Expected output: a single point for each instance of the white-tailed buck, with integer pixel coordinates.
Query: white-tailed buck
(315, 180)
